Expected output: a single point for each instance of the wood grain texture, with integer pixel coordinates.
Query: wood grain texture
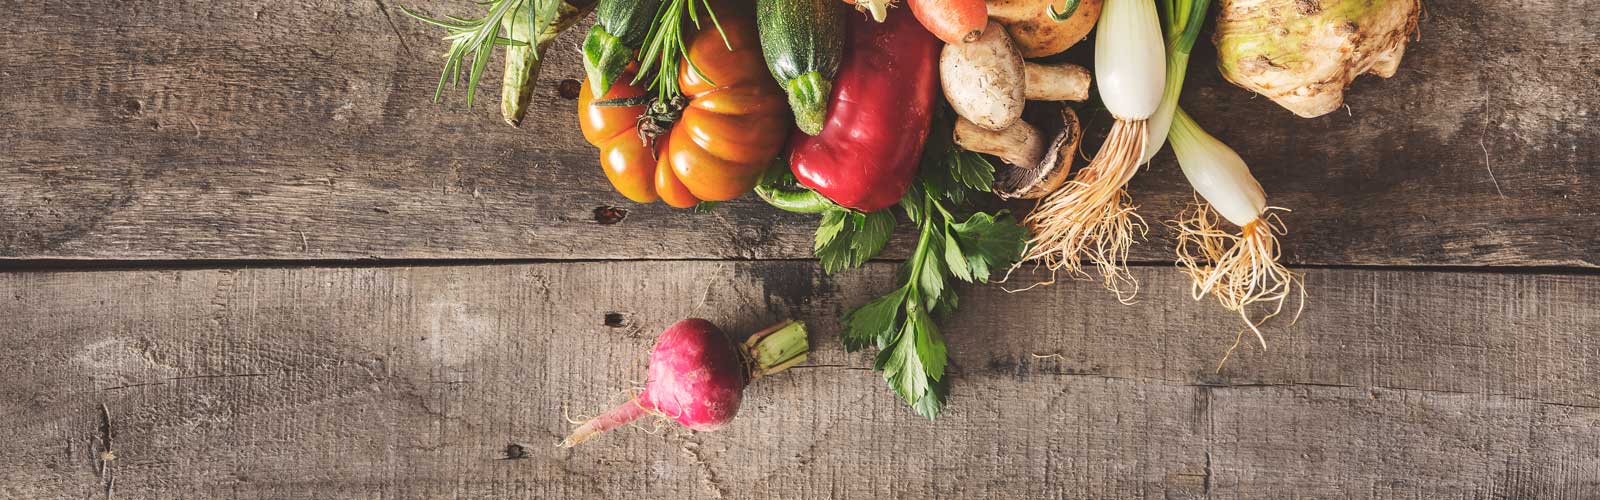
(413, 382)
(302, 129)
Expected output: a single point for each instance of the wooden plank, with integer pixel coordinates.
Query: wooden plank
(413, 383)
(243, 129)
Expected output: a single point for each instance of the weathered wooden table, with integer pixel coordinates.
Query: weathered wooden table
(246, 257)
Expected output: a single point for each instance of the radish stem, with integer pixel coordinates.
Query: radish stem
(777, 348)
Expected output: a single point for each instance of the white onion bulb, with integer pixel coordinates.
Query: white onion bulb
(1130, 60)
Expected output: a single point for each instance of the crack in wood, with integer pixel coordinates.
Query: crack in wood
(1245, 385)
(105, 455)
(707, 475)
(188, 377)
(384, 9)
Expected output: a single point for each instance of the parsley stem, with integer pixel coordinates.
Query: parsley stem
(920, 255)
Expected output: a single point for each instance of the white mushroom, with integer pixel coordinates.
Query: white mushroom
(988, 82)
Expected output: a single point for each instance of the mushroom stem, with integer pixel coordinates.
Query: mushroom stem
(1020, 144)
(1056, 82)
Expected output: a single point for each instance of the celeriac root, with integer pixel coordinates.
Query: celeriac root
(1240, 270)
(1091, 217)
(1303, 55)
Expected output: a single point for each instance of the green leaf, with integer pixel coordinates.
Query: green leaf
(829, 228)
(954, 259)
(972, 170)
(930, 344)
(930, 277)
(932, 401)
(875, 322)
(874, 233)
(847, 239)
(990, 243)
(914, 364)
(947, 303)
(902, 367)
(912, 204)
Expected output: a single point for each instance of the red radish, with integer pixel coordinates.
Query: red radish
(697, 375)
(954, 21)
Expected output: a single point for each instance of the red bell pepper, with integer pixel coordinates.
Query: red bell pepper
(878, 116)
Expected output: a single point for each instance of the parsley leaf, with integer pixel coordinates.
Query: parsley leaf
(932, 270)
(956, 260)
(847, 239)
(911, 350)
(950, 172)
(874, 323)
(914, 364)
(986, 243)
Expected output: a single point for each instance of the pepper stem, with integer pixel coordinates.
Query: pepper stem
(802, 201)
(777, 348)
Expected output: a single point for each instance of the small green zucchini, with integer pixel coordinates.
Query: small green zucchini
(802, 41)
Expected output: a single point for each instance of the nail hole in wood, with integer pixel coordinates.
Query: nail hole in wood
(608, 215)
(616, 320)
(515, 451)
(569, 88)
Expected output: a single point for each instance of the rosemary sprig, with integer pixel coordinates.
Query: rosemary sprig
(478, 37)
(664, 45)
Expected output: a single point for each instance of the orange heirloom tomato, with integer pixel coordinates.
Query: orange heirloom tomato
(735, 123)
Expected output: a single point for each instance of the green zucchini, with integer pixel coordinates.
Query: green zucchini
(619, 30)
(802, 41)
(523, 61)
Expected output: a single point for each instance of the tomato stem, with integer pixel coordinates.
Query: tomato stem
(659, 117)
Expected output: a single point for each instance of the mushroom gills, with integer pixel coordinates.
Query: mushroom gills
(1030, 166)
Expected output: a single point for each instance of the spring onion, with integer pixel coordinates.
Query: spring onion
(1091, 218)
(1181, 20)
(1239, 269)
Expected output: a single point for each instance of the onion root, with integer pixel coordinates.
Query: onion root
(1092, 217)
(1241, 270)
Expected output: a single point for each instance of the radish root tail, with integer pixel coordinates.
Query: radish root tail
(617, 417)
(1241, 270)
(1092, 218)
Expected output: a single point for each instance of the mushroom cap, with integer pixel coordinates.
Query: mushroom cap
(984, 79)
(1036, 181)
(1035, 33)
